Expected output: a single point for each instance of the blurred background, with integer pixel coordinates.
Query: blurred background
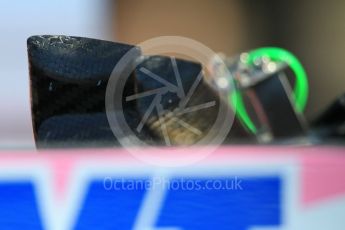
(314, 30)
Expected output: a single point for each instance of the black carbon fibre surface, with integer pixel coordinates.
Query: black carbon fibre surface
(75, 59)
(69, 76)
(182, 127)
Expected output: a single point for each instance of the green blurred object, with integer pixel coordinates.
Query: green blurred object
(300, 93)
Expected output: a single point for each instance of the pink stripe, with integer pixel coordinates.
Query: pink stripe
(322, 175)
